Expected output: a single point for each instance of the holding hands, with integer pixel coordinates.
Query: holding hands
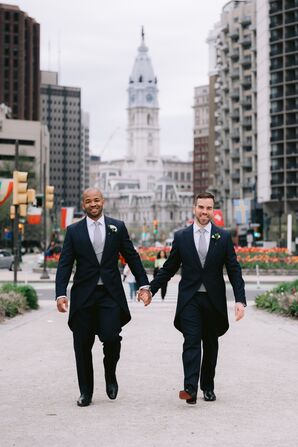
(145, 295)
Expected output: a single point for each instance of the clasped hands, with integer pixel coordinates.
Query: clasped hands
(145, 295)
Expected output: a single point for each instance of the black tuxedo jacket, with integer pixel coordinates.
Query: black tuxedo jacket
(78, 249)
(220, 253)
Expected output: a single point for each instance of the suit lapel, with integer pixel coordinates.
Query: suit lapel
(107, 243)
(85, 239)
(190, 244)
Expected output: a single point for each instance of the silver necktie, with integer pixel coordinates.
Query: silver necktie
(202, 247)
(98, 242)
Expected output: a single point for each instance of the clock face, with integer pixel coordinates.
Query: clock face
(149, 97)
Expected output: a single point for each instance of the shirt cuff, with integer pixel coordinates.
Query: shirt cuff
(241, 302)
(61, 296)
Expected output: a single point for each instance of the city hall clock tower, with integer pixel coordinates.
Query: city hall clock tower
(142, 159)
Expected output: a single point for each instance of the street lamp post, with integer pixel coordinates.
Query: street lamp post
(44, 274)
(16, 224)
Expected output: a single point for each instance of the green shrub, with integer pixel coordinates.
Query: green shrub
(30, 294)
(293, 308)
(52, 264)
(27, 291)
(12, 303)
(282, 299)
(147, 264)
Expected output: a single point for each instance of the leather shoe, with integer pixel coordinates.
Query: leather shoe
(209, 395)
(84, 400)
(112, 390)
(189, 396)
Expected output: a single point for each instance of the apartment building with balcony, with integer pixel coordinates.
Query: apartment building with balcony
(236, 108)
(277, 44)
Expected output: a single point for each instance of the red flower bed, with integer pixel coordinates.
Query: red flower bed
(150, 253)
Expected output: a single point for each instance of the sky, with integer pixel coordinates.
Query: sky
(93, 45)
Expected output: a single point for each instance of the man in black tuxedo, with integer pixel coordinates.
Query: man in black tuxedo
(98, 304)
(202, 250)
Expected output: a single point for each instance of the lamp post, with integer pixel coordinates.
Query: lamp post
(44, 274)
(16, 224)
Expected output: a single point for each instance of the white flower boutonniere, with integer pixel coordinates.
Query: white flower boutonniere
(113, 228)
(215, 236)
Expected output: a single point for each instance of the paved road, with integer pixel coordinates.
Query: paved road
(256, 385)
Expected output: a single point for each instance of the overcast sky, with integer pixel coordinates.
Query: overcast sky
(97, 42)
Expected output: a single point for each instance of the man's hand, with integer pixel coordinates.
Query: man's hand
(62, 304)
(239, 311)
(145, 295)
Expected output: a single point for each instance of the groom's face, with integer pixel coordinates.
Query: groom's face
(203, 211)
(93, 203)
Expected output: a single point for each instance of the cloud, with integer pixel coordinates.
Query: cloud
(94, 44)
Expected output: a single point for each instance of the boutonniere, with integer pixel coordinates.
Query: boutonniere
(113, 228)
(215, 236)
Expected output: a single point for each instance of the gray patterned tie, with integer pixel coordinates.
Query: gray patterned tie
(98, 242)
(202, 246)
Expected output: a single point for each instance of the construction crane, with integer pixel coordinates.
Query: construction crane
(108, 141)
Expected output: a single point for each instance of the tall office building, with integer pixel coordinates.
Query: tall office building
(277, 44)
(236, 105)
(201, 139)
(33, 147)
(19, 63)
(61, 111)
(85, 155)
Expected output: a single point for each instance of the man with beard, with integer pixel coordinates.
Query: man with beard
(202, 250)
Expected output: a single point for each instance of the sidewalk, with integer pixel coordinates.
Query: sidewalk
(256, 385)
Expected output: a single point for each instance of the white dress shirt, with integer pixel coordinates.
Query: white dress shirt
(207, 236)
(91, 228)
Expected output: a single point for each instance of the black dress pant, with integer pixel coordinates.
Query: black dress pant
(163, 289)
(199, 330)
(102, 317)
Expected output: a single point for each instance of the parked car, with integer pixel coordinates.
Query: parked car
(6, 260)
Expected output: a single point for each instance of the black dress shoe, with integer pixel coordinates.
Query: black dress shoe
(112, 390)
(189, 396)
(209, 395)
(84, 400)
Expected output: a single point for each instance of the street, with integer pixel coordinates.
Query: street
(256, 383)
(257, 378)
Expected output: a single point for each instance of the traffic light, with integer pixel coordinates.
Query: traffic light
(19, 195)
(12, 212)
(31, 195)
(155, 226)
(49, 196)
(23, 210)
(21, 228)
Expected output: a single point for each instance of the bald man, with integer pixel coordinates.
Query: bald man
(98, 305)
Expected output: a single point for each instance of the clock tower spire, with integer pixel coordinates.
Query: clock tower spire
(143, 153)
